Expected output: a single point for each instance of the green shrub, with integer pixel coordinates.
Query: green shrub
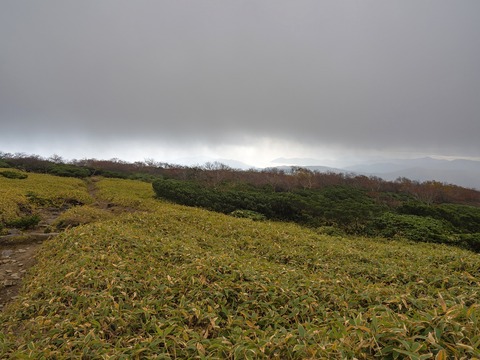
(25, 222)
(248, 214)
(13, 174)
(412, 227)
(279, 206)
(330, 231)
(463, 218)
(349, 209)
(470, 241)
(143, 177)
(37, 200)
(67, 170)
(344, 206)
(112, 174)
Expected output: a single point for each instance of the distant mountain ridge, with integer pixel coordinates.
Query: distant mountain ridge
(460, 172)
(296, 161)
(322, 169)
(202, 160)
(425, 162)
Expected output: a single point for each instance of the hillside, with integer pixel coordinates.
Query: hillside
(461, 172)
(136, 277)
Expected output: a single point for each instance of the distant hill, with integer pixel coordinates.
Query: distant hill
(321, 169)
(304, 162)
(460, 172)
(201, 160)
(469, 179)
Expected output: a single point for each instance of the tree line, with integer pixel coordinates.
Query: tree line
(214, 174)
(333, 202)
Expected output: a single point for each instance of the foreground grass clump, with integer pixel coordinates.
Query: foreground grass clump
(178, 282)
(80, 215)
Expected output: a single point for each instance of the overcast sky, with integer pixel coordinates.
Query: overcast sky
(246, 79)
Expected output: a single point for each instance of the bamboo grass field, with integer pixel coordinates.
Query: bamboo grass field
(148, 279)
(239, 180)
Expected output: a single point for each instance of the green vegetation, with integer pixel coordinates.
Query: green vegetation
(460, 217)
(248, 214)
(25, 222)
(13, 174)
(443, 223)
(346, 206)
(68, 170)
(350, 209)
(169, 281)
(3, 164)
(80, 215)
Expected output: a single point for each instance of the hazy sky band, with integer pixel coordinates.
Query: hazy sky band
(384, 75)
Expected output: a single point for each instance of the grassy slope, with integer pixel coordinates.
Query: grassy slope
(188, 283)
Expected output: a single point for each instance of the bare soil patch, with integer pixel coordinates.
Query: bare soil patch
(17, 253)
(19, 248)
(15, 259)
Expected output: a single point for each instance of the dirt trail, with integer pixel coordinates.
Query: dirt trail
(17, 254)
(19, 248)
(14, 262)
(92, 191)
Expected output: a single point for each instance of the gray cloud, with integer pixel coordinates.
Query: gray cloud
(362, 75)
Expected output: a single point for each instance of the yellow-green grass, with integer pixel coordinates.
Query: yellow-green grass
(132, 194)
(81, 215)
(37, 190)
(178, 282)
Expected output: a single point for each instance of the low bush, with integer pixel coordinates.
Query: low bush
(248, 214)
(463, 218)
(470, 241)
(279, 206)
(25, 222)
(69, 171)
(330, 231)
(35, 199)
(13, 174)
(412, 227)
(347, 207)
(143, 177)
(112, 174)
